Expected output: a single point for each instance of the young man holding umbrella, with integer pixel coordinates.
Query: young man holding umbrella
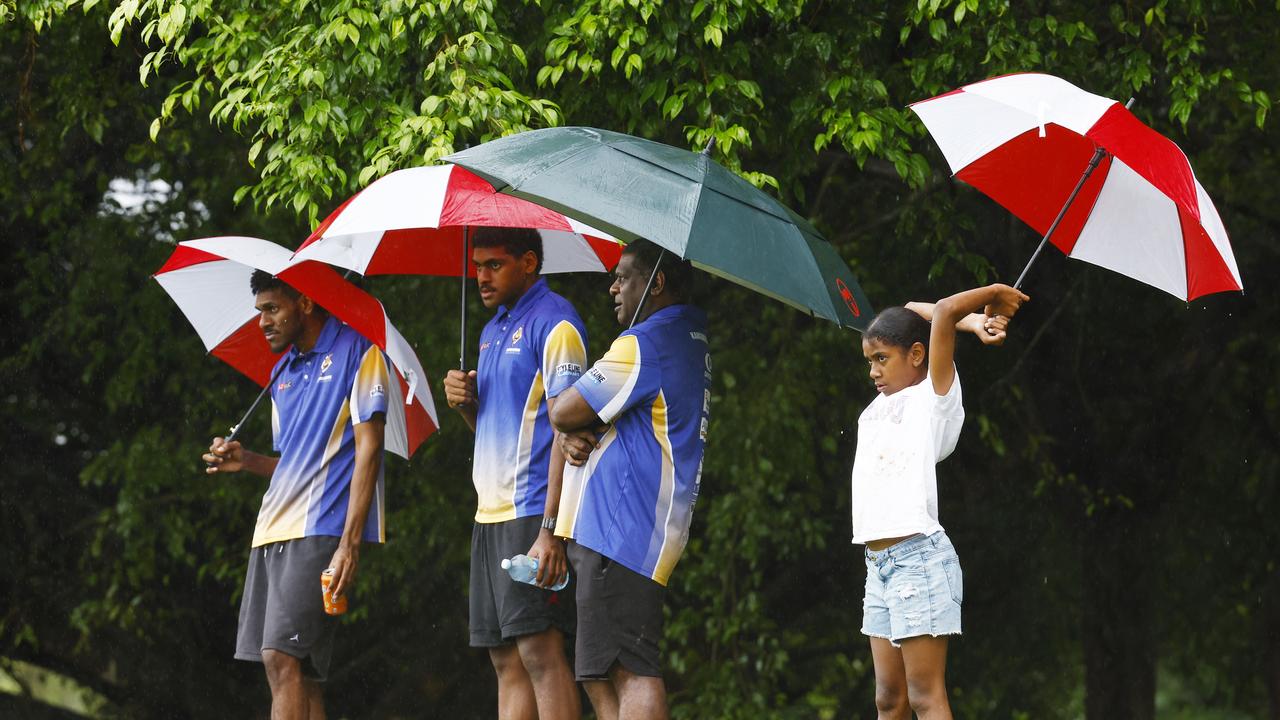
(532, 350)
(329, 404)
(629, 504)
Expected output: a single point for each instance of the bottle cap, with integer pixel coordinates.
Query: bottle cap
(506, 564)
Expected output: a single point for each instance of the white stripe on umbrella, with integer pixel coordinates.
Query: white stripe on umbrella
(1024, 140)
(412, 222)
(209, 280)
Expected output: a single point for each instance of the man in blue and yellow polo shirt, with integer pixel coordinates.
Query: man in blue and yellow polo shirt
(628, 502)
(328, 410)
(532, 349)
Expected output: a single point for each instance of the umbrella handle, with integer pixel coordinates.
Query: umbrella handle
(234, 430)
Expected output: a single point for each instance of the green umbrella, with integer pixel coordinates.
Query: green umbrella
(680, 200)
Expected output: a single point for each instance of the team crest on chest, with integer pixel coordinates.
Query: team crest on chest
(326, 363)
(515, 338)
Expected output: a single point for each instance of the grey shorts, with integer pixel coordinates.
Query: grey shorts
(619, 617)
(282, 608)
(501, 608)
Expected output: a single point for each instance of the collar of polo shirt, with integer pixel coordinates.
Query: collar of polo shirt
(324, 343)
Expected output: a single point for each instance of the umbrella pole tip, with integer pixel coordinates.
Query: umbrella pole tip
(711, 144)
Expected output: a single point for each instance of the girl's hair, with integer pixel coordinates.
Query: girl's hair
(899, 326)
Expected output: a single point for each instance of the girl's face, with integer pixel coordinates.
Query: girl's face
(894, 367)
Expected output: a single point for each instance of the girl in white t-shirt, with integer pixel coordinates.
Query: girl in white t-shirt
(914, 586)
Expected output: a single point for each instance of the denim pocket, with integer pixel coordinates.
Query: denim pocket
(955, 579)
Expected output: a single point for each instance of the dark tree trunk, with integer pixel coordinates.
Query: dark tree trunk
(1270, 639)
(1118, 638)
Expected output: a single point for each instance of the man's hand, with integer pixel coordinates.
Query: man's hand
(460, 388)
(548, 550)
(1006, 301)
(577, 445)
(223, 457)
(344, 562)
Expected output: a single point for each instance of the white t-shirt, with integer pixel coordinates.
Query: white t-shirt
(900, 439)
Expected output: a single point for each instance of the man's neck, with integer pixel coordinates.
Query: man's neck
(654, 304)
(311, 335)
(530, 281)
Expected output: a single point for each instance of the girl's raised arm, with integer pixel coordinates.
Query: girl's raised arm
(993, 300)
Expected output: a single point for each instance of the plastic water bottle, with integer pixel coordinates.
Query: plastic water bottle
(523, 568)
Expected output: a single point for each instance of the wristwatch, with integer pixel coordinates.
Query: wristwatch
(548, 523)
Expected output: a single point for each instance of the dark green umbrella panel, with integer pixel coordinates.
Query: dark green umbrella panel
(681, 200)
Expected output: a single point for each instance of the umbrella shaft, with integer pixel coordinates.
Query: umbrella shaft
(462, 340)
(235, 429)
(1093, 164)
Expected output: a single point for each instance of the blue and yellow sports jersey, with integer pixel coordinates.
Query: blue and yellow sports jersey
(633, 500)
(317, 398)
(528, 353)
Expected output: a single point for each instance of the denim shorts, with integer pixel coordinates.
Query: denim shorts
(913, 588)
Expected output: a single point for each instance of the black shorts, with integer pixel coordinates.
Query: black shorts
(619, 617)
(283, 608)
(501, 608)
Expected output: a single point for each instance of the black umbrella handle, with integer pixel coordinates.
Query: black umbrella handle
(234, 430)
(1093, 165)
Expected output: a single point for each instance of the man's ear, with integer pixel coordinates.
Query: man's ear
(659, 283)
(306, 304)
(530, 262)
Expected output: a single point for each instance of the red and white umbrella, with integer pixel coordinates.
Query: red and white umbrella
(209, 280)
(1031, 143)
(412, 222)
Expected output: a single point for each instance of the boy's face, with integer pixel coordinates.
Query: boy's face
(502, 279)
(280, 318)
(894, 367)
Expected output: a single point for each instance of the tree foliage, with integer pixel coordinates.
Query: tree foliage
(1111, 497)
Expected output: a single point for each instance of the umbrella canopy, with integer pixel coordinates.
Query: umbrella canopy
(1026, 141)
(412, 222)
(209, 280)
(680, 200)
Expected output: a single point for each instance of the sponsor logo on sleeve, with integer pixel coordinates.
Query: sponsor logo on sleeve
(596, 375)
(568, 369)
(377, 391)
